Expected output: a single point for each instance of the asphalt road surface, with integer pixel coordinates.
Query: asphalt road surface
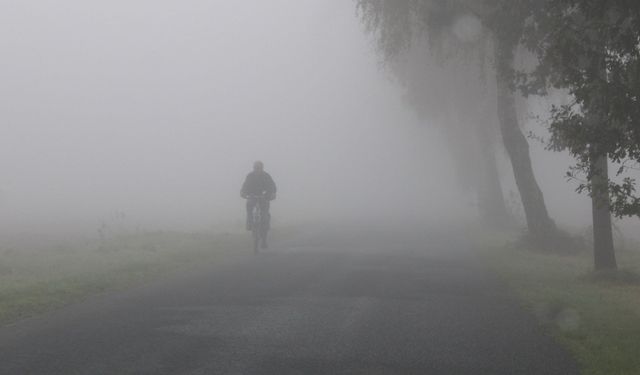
(326, 302)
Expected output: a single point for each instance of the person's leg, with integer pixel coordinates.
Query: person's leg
(264, 207)
(250, 204)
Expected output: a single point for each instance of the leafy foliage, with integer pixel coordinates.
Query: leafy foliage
(591, 50)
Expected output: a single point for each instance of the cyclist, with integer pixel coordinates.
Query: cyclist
(258, 184)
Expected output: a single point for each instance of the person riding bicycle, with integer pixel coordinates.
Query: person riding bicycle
(258, 184)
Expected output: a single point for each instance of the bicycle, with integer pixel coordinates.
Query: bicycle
(259, 223)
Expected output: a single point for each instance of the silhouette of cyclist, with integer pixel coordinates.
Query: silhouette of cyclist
(258, 184)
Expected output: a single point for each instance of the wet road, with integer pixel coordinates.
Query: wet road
(326, 302)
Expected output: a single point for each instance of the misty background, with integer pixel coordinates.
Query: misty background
(157, 109)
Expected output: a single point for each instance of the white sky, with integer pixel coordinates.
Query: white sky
(158, 108)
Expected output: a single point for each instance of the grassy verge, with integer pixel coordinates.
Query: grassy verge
(597, 319)
(34, 281)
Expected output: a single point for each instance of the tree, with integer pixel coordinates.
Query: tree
(446, 96)
(591, 50)
(398, 23)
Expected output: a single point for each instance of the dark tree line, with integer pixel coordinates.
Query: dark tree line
(588, 50)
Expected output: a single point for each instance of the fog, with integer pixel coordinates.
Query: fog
(421, 225)
(157, 109)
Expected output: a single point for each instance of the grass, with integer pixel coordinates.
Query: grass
(595, 315)
(34, 281)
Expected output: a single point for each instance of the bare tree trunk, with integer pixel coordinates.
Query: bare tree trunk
(603, 250)
(475, 161)
(604, 257)
(491, 202)
(540, 225)
(490, 196)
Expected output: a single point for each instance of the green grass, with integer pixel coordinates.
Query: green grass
(35, 281)
(597, 317)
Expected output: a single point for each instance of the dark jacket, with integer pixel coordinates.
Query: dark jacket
(258, 183)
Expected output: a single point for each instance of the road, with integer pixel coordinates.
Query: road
(365, 301)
